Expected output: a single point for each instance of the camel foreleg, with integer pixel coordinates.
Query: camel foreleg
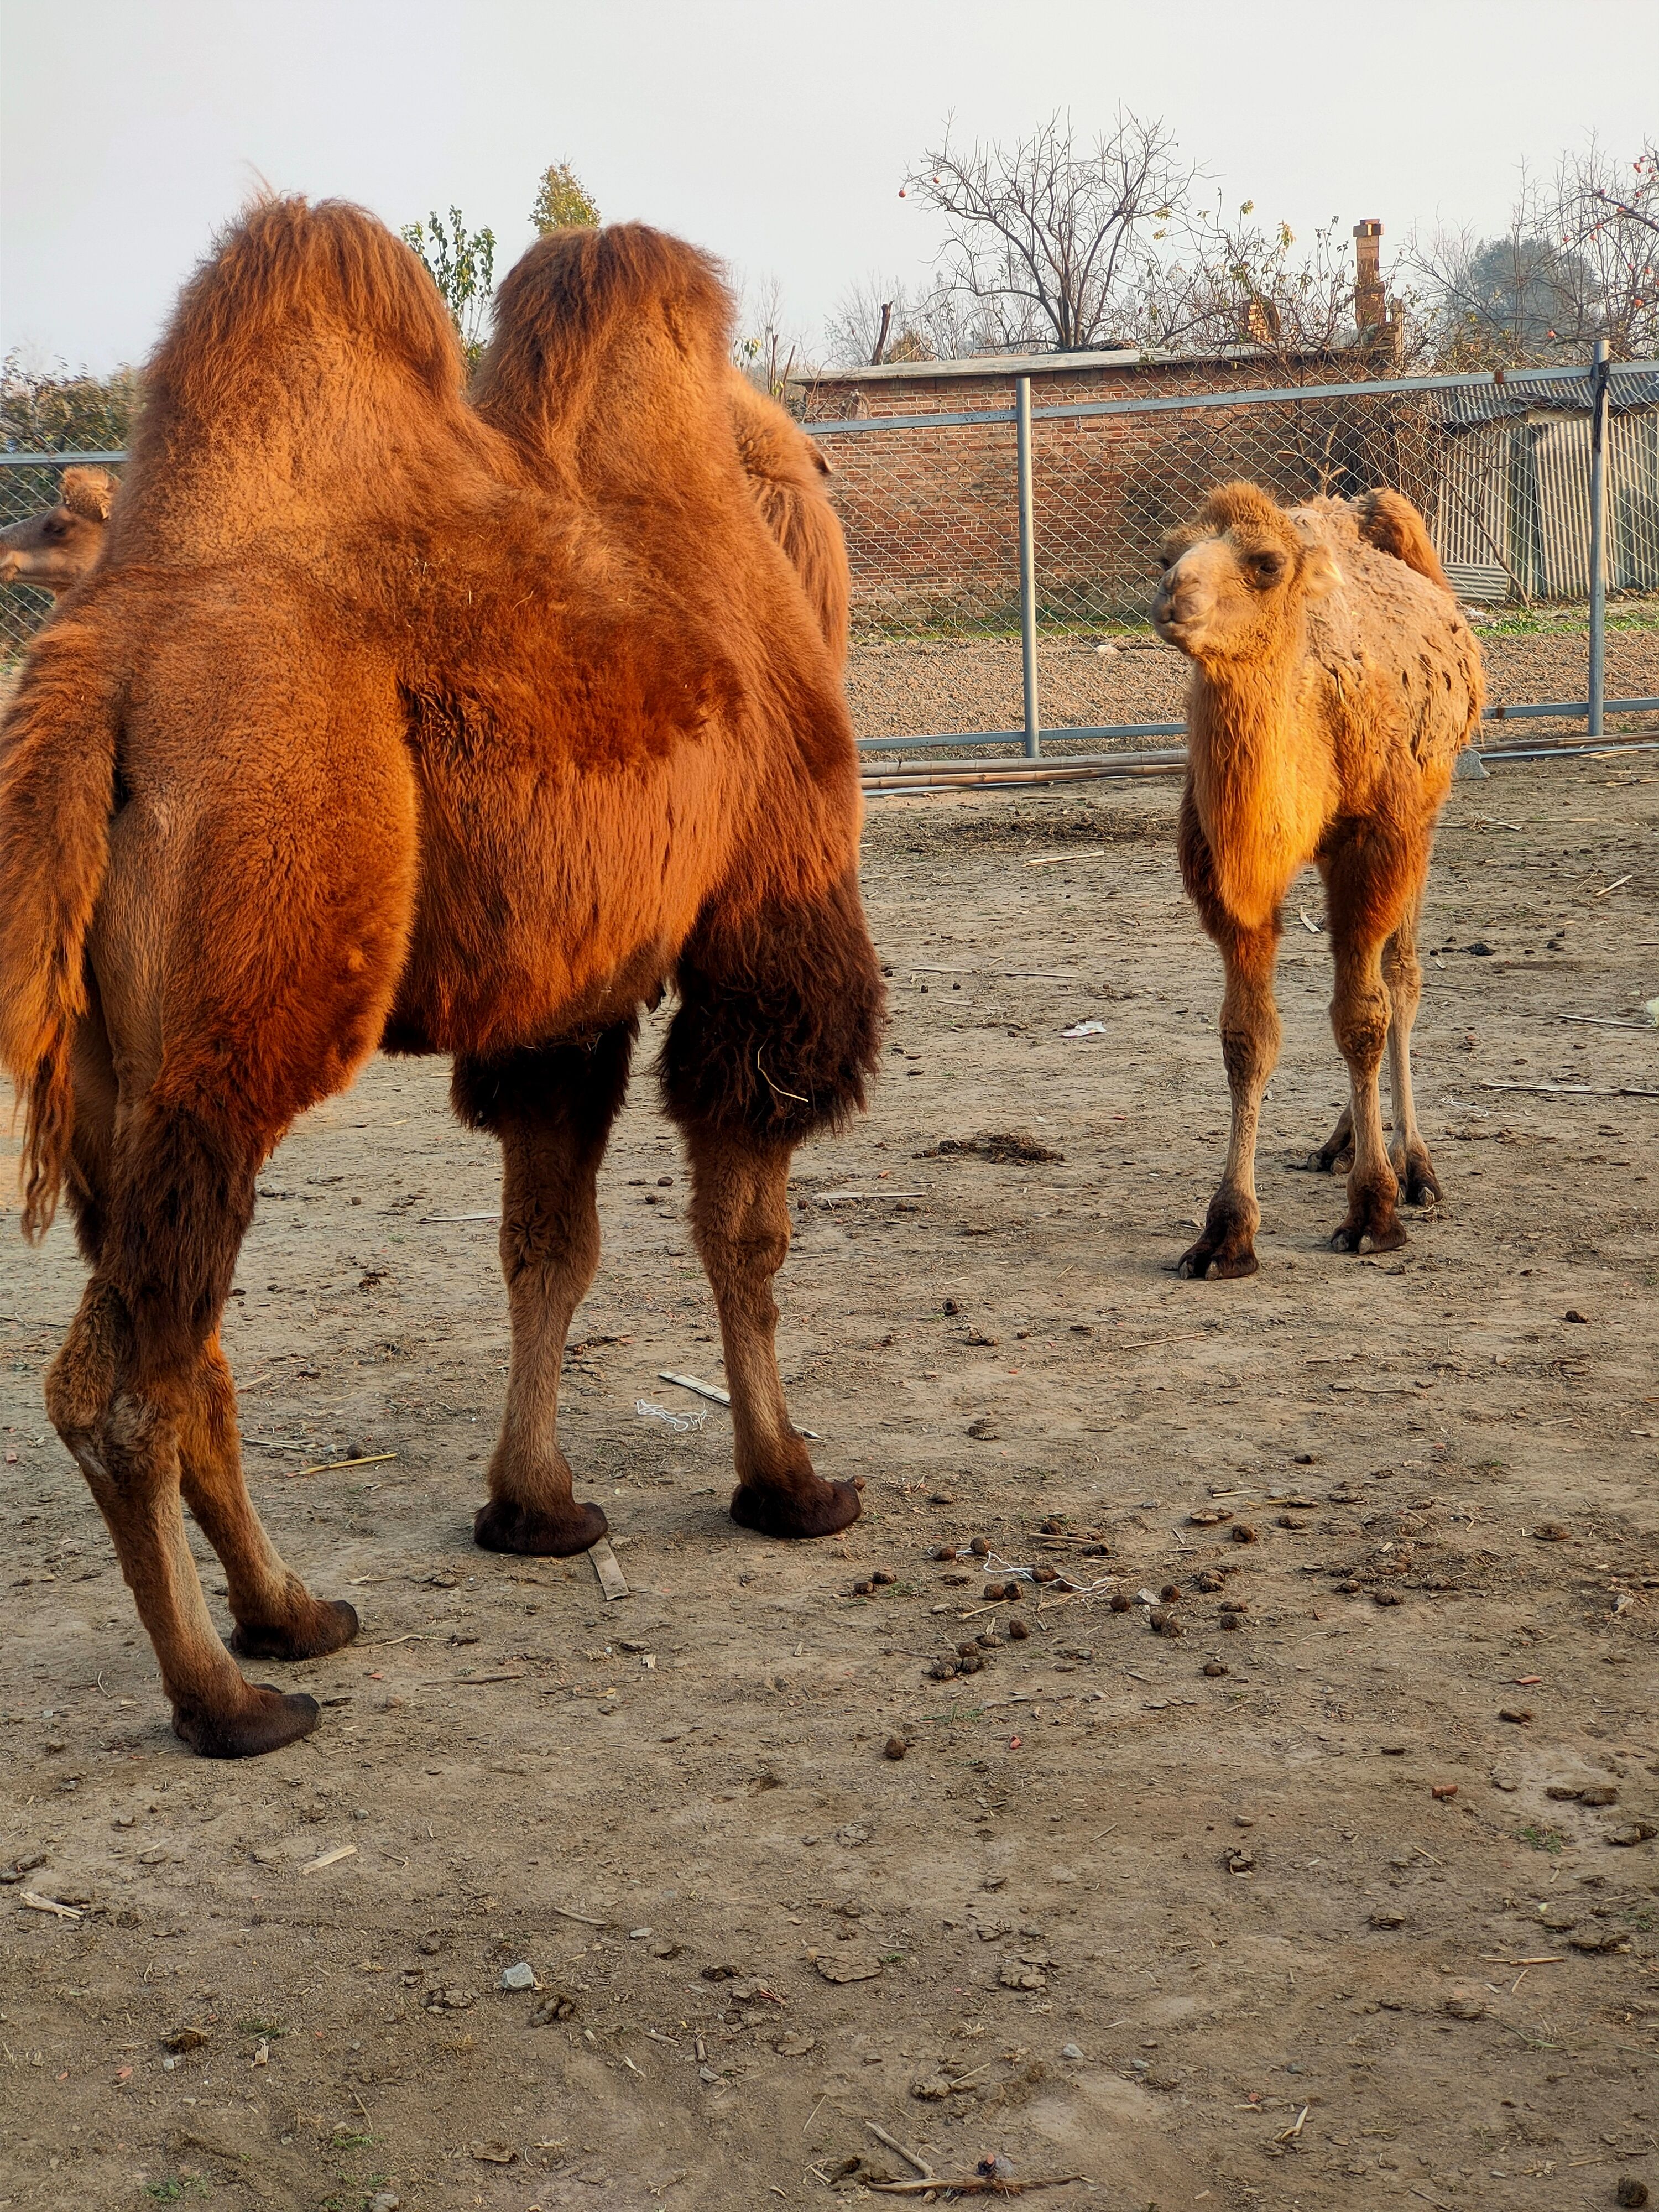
(552, 1110)
(740, 1217)
(1250, 1032)
(778, 1030)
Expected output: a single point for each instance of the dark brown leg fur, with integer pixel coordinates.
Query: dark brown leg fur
(552, 1110)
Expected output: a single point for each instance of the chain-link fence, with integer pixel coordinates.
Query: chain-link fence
(1002, 557)
(946, 513)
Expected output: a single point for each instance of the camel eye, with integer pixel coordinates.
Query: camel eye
(1165, 563)
(1267, 568)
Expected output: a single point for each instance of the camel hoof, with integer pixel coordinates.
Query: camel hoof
(1228, 1264)
(1325, 1162)
(269, 1720)
(505, 1526)
(821, 1509)
(1381, 1237)
(1419, 1184)
(330, 1624)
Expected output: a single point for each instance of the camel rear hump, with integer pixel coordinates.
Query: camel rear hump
(610, 361)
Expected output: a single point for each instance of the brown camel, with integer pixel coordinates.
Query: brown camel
(787, 473)
(1334, 684)
(52, 550)
(384, 722)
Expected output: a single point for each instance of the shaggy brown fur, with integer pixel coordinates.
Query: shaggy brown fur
(1335, 684)
(788, 474)
(383, 720)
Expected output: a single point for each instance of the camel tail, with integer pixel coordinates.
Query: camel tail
(58, 750)
(1390, 521)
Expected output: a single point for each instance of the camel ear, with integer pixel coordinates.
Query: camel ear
(1320, 573)
(89, 493)
(821, 460)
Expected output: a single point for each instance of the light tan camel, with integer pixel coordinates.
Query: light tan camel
(1334, 684)
(50, 551)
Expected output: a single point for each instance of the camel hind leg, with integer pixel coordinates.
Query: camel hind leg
(121, 1393)
(276, 1616)
(778, 1027)
(552, 1110)
(1371, 885)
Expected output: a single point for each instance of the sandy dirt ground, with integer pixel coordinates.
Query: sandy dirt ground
(1344, 1896)
(909, 690)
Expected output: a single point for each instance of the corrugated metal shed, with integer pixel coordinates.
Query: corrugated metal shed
(1513, 488)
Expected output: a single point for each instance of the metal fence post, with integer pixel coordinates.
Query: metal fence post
(1027, 567)
(1598, 544)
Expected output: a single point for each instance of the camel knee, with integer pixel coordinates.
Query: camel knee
(559, 1248)
(1360, 1020)
(1249, 1048)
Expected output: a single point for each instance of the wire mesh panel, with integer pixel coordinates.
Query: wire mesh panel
(932, 529)
(1106, 487)
(1499, 467)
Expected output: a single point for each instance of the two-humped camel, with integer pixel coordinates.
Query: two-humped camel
(385, 721)
(1334, 684)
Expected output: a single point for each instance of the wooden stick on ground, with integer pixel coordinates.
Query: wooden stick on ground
(909, 2156)
(974, 2185)
(612, 1581)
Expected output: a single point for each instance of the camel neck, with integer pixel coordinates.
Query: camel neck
(1240, 707)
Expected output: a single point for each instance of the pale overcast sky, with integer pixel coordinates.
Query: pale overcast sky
(776, 135)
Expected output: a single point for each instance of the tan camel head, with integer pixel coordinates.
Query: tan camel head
(54, 550)
(1236, 577)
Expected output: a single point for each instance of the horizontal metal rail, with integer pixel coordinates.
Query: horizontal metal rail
(1019, 773)
(1478, 380)
(1564, 709)
(55, 461)
(1054, 732)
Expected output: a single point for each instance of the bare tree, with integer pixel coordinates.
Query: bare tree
(765, 348)
(1578, 261)
(1610, 218)
(919, 325)
(1232, 280)
(1048, 236)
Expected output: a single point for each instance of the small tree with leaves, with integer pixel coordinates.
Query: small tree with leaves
(563, 202)
(462, 264)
